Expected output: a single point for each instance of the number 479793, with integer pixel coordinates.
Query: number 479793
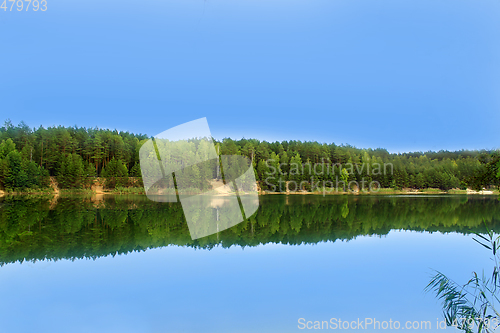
(25, 5)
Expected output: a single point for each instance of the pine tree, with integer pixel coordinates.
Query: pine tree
(115, 173)
(295, 170)
(16, 177)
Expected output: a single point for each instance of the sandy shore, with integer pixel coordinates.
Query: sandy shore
(225, 191)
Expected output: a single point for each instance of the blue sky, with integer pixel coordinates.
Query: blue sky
(403, 75)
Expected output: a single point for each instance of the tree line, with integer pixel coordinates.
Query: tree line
(76, 155)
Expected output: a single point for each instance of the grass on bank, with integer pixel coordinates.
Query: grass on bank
(128, 190)
(75, 191)
(46, 190)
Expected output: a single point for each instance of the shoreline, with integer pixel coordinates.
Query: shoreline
(389, 191)
(97, 187)
(423, 192)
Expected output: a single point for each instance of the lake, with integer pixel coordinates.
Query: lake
(127, 264)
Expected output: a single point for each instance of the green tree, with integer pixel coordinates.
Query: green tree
(71, 173)
(295, 169)
(6, 146)
(16, 177)
(115, 173)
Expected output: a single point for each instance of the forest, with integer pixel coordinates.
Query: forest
(75, 156)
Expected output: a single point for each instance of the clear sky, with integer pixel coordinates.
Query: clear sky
(404, 75)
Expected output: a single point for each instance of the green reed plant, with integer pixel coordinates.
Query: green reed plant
(472, 307)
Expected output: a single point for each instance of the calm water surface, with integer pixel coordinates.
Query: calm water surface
(126, 264)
